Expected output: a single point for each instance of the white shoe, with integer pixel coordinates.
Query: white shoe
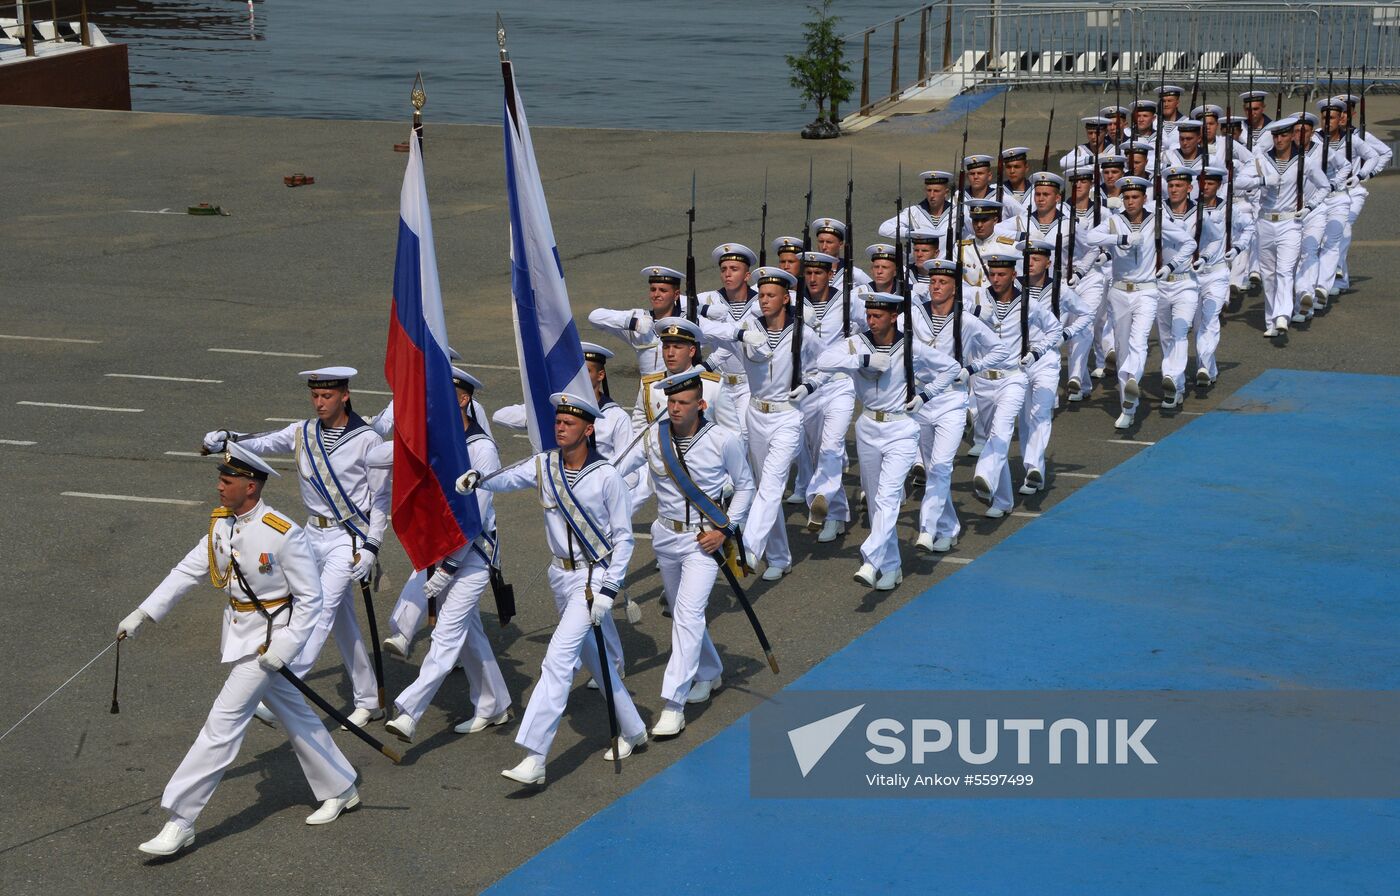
(1097, 373)
(1131, 388)
(402, 727)
(529, 771)
(1334, 292)
(866, 575)
(795, 498)
(398, 646)
(1125, 420)
(982, 489)
(1281, 324)
(625, 746)
(816, 514)
(481, 723)
(888, 581)
(1270, 332)
(1111, 359)
(1305, 303)
(774, 573)
(1299, 318)
(171, 839)
(330, 810)
(944, 543)
(1034, 482)
(831, 530)
(264, 715)
(976, 449)
(994, 513)
(700, 690)
(1073, 389)
(1203, 378)
(363, 717)
(924, 542)
(671, 723)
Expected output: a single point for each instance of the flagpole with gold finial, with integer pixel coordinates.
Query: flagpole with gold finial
(419, 98)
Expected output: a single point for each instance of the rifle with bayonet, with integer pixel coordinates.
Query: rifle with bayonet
(1001, 143)
(692, 311)
(1045, 158)
(905, 292)
(848, 251)
(763, 224)
(802, 284)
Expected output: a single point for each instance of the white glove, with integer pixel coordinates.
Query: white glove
(913, 405)
(602, 606)
(878, 361)
(437, 583)
(1073, 279)
(713, 312)
(964, 375)
(1164, 272)
(1198, 265)
(131, 623)
(799, 393)
(1029, 358)
(270, 661)
(364, 564)
(467, 482)
(215, 441)
(1351, 182)
(635, 323)
(1124, 241)
(1103, 257)
(753, 337)
(1232, 253)
(1065, 337)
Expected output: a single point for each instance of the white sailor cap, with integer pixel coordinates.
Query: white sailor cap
(734, 252)
(936, 177)
(1049, 179)
(939, 265)
(1141, 146)
(1336, 103)
(1178, 172)
(1039, 247)
(1212, 172)
(1281, 125)
(329, 377)
(1252, 96)
(592, 351)
(819, 259)
(1114, 111)
(1080, 172)
(833, 226)
(680, 382)
(1112, 160)
(1169, 90)
(1350, 99)
(1012, 153)
(881, 252)
(1148, 105)
(882, 301)
(1234, 121)
(774, 275)
(239, 461)
(1094, 121)
(1210, 109)
(1188, 124)
(658, 274)
(977, 160)
(1000, 259)
(575, 405)
(923, 236)
(983, 208)
(1132, 182)
(677, 329)
(787, 244)
(463, 380)
(1308, 118)
(453, 354)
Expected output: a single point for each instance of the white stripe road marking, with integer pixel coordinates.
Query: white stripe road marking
(16, 442)
(52, 339)
(271, 460)
(248, 351)
(145, 211)
(497, 366)
(283, 419)
(1193, 413)
(170, 379)
(1127, 442)
(1079, 475)
(81, 407)
(644, 536)
(1025, 514)
(370, 392)
(957, 561)
(135, 498)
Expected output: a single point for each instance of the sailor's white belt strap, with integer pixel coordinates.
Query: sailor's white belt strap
(1131, 286)
(321, 522)
(733, 379)
(1174, 278)
(677, 525)
(771, 407)
(883, 416)
(1275, 217)
(995, 374)
(566, 564)
(247, 606)
(1212, 268)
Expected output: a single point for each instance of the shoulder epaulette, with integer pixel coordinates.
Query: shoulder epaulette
(1007, 240)
(965, 242)
(219, 513)
(710, 375)
(277, 522)
(652, 378)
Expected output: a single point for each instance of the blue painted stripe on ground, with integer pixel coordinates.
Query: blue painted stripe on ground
(1254, 548)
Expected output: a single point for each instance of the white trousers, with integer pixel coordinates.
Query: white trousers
(411, 608)
(1104, 335)
(1092, 289)
(573, 639)
(732, 412)
(1279, 244)
(326, 769)
(826, 417)
(1133, 313)
(886, 451)
(1310, 251)
(332, 552)
(688, 575)
(1247, 258)
(1330, 260)
(773, 443)
(1356, 201)
(1215, 292)
(942, 428)
(1003, 399)
(1038, 410)
(459, 634)
(1177, 304)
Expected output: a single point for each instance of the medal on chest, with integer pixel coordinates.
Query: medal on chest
(264, 563)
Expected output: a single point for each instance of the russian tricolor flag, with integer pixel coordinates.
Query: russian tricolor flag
(430, 451)
(546, 338)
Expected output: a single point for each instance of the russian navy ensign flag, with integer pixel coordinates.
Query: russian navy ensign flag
(430, 451)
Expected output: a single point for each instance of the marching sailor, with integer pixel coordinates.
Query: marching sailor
(1359, 194)
(680, 352)
(1095, 144)
(829, 237)
(261, 562)
(1256, 123)
(928, 213)
(1278, 228)
(1214, 274)
(978, 181)
(887, 435)
(788, 251)
(693, 462)
(347, 497)
(736, 297)
(634, 326)
(457, 584)
(1086, 274)
(588, 525)
(1322, 222)
(1179, 293)
(1013, 192)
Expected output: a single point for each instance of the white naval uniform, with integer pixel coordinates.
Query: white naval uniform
(714, 457)
(1358, 197)
(651, 402)
(732, 412)
(1365, 161)
(827, 413)
(1043, 375)
(598, 487)
(1214, 280)
(275, 561)
(1132, 293)
(887, 437)
(458, 635)
(1092, 288)
(636, 327)
(775, 426)
(332, 545)
(942, 420)
(918, 216)
(1179, 298)
(1279, 228)
(1323, 226)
